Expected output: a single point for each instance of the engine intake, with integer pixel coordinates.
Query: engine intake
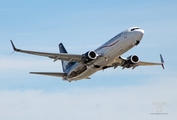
(89, 56)
(92, 55)
(133, 59)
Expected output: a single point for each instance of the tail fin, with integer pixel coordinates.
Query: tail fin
(65, 64)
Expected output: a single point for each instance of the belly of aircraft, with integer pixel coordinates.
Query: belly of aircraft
(83, 74)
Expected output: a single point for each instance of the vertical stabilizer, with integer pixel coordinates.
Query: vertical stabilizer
(65, 64)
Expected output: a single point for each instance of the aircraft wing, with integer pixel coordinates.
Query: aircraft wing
(141, 63)
(119, 62)
(55, 56)
(56, 74)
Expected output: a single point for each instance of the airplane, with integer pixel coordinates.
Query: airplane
(82, 66)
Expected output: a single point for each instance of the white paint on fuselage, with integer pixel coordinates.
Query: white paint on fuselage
(112, 49)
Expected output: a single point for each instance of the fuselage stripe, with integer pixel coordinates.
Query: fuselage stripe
(109, 45)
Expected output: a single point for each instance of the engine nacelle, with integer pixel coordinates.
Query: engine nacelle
(130, 61)
(89, 56)
(133, 59)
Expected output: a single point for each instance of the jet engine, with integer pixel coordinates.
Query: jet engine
(89, 56)
(133, 59)
(130, 61)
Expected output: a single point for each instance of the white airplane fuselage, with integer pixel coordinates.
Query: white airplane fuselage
(107, 53)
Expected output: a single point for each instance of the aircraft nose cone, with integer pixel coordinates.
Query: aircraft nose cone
(140, 33)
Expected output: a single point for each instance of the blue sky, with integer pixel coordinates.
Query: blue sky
(81, 26)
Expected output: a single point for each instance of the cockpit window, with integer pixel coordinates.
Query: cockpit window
(134, 29)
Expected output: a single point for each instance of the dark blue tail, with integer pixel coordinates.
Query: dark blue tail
(65, 64)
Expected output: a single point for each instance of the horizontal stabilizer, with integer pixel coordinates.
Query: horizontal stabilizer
(56, 74)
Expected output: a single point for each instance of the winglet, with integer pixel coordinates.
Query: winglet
(13, 46)
(162, 61)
